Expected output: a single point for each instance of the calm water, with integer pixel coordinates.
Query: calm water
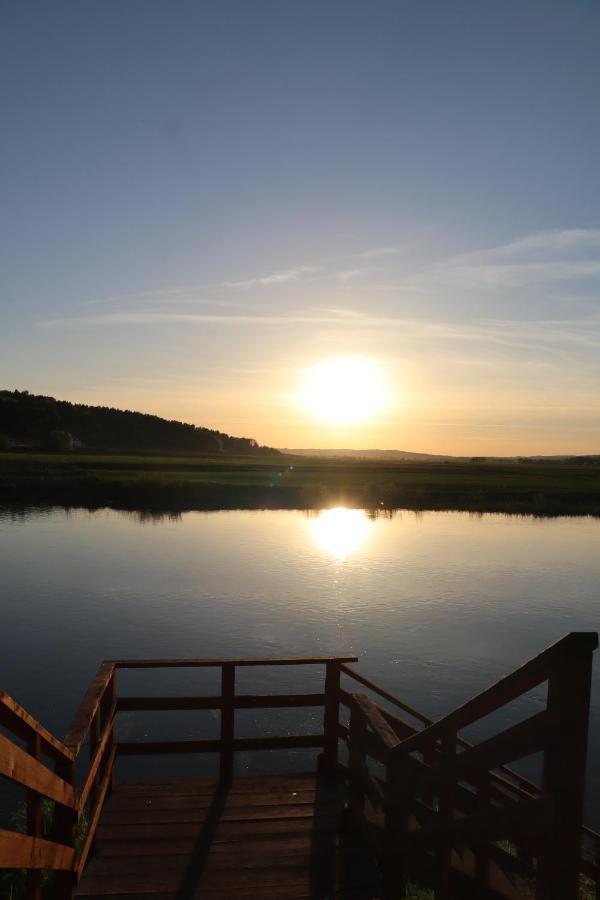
(436, 605)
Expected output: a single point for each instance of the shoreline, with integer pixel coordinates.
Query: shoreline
(179, 484)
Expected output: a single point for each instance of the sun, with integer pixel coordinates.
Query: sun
(345, 390)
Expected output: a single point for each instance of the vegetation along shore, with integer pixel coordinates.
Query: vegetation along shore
(173, 482)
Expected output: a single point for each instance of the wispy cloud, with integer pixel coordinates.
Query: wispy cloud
(344, 313)
(346, 275)
(584, 333)
(282, 277)
(161, 293)
(548, 256)
(376, 252)
(520, 274)
(552, 241)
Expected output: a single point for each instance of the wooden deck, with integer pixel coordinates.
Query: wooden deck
(261, 838)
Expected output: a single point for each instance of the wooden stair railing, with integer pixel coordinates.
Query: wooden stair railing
(505, 784)
(433, 774)
(447, 804)
(94, 724)
(33, 850)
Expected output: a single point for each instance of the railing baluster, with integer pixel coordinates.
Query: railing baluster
(563, 779)
(34, 820)
(329, 757)
(65, 824)
(446, 814)
(227, 721)
(357, 749)
(395, 827)
(481, 855)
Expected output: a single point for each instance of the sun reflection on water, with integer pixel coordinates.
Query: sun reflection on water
(340, 532)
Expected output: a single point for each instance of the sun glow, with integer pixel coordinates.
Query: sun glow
(343, 391)
(341, 532)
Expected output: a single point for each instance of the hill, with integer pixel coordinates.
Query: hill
(392, 455)
(38, 421)
(409, 456)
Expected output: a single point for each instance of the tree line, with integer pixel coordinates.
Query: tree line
(34, 420)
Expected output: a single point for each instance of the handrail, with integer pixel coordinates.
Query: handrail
(362, 679)
(19, 766)
(503, 691)
(21, 723)
(372, 713)
(441, 781)
(23, 851)
(95, 718)
(217, 663)
(88, 708)
(240, 701)
(523, 785)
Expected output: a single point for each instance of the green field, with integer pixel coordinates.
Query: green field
(194, 482)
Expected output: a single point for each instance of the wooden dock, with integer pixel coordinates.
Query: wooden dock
(394, 796)
(257, 838)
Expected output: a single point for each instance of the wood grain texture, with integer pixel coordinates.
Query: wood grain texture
(88, 708)
(259, 838)
(21, 851)
(22, 724)
(17, 765)
(211, 663)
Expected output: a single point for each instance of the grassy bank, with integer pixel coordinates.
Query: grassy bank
(178, 483)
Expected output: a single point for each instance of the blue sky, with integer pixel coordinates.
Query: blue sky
(199, 200)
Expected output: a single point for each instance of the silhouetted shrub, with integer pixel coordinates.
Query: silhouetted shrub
(59, 440)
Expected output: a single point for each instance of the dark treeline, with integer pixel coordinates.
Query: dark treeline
(43, 421)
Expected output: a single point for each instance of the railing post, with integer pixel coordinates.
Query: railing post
(357, 758)
(563, 780)
(34, 821)
(446, 813)
(329, 757)
(227, 722)
(65, 824)
(481, 854)
(394, 829)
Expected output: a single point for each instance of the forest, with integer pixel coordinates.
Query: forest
(35, 421)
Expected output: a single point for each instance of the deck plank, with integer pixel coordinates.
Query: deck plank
(264, 838)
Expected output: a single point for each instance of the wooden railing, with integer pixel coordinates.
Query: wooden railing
(24, 766)
(94, 725)
(455, 811)
(228, 701)
(93, 728)
(437, 804)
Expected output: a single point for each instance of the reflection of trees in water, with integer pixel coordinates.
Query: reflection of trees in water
(21, 514)
(150, 516)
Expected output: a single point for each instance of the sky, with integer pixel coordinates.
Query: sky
(201, 202)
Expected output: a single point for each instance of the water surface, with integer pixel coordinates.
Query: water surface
(436, 605)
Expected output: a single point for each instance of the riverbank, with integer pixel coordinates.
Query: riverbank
(173, 483)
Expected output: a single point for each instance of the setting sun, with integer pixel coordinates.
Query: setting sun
(344, 390)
